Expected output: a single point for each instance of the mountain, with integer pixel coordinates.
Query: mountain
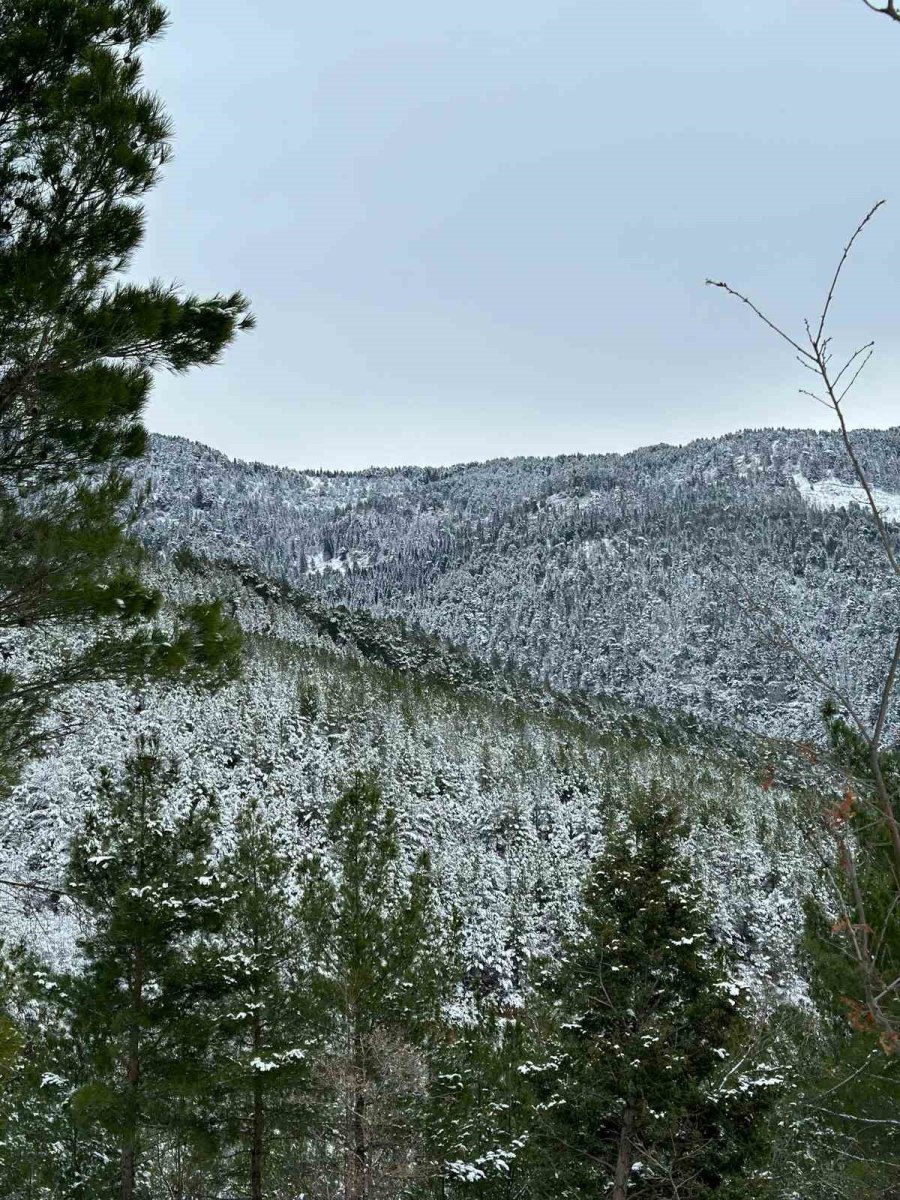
(512, 788)
(516, 647)
(653, 577)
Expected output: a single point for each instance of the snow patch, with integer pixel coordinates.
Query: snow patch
(832, 493)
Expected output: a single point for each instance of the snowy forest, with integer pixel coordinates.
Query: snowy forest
(517, 830)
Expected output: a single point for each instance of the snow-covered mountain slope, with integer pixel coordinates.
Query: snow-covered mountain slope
(641, 576)
(510, 787)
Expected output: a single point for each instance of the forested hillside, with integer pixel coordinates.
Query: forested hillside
(473, 833)
(512, 789)
(639, 576)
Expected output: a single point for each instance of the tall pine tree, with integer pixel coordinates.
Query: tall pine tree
(375, 962)
(81, 143)
(479, 1108)
(269, 1022)
(639, 1035)
(143, 1005)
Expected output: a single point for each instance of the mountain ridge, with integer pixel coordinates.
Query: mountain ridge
(613, 575)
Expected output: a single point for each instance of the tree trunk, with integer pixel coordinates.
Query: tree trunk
(132, 1082)
(623, 1158)
(356, 1187)
(359, 1155)
(256, 1133)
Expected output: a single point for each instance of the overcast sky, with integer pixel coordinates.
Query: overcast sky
(482, 228)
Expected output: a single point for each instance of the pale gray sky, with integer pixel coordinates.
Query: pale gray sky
(482, 228)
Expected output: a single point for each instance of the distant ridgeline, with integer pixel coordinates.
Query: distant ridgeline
(653, 577)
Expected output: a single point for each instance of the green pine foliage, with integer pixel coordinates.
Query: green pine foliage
(480, 1106)
(837, 1133)
(143, 1006)
(375, 958)
(269, 1022)
(640, 1088)
(81, 143)
(45, 1149)
(850, 1088)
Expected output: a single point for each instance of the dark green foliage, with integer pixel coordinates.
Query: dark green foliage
(837, 1127)
(268, 1023)
(852, 1086)
(639, 1032)
(479, 1113)
(376, 965)
(142, 1008)
(44, 1150)
(81, 142)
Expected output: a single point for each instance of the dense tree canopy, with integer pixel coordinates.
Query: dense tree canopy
(81, 142)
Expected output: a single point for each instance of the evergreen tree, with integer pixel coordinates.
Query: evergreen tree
(269, 1024)
(835, 1130)
(45, 1151)
(479, 1107)
(372, 943)
(81, 143)
(141, 1008)
(641, 1033)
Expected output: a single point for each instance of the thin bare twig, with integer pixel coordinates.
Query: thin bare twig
(718, 283)
(27, 885)
(853, 357)
(837, 274)
(886, 693)
(856, 374)
(818, 358)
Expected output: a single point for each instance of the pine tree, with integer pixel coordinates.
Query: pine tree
(141, 1008)
(374, 957)
(479, 1107)
(835, 1135)
(81, 143)
(641, 1032)
(45, 1151)
(269, 1024)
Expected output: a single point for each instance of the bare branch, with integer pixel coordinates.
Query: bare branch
(853, 357)
(888, 10)
(863, 479)
(837, 274)
(813, 396)
(856, 374)
(886, 693)
(765, 320)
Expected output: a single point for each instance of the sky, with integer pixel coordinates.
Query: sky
(482, 229)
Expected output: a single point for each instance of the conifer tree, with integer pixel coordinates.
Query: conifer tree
(374, 956)
(141, 1008)
(479, 1108)
(81, 143)
(641, 1030)
(269, 1023)
(45, 1151)
(854, 954)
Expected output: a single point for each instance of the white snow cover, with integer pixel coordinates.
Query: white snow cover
(833, 493)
